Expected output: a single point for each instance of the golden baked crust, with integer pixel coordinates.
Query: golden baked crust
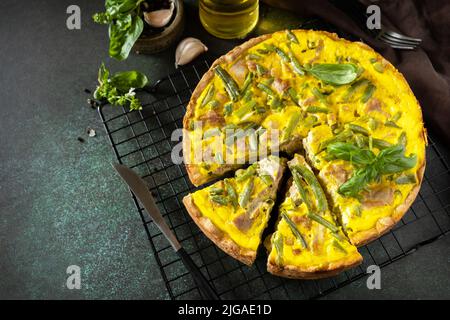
(385, 224)
(325, 271)
(220, 239)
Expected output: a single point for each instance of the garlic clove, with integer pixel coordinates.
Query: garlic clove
(159, 18)
(187, 50)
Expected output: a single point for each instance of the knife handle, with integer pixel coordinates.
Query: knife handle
(205, 288)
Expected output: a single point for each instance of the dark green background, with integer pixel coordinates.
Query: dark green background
(60, 201)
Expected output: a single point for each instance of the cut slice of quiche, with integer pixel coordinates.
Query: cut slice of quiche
(370, 189)
(308, 243)
(371, 173)
(234, 212)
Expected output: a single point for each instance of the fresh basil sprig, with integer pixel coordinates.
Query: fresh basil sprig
(370, 166)
(393, 160)
(360, 179)
(337, 74)
(125, 25)
(350, 152)
(119, 88)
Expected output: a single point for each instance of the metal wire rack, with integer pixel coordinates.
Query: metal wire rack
(142, 141)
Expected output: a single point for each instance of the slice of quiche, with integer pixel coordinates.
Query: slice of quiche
(234, 212)
(371, 170)
(371, 189)
(308, 243)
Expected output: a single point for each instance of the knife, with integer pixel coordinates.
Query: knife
(140, 190)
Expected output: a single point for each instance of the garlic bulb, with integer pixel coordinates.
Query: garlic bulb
(187, 50)
(159, 18)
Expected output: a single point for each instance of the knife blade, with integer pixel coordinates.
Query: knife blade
(140, 190)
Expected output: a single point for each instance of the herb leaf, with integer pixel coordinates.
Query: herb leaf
(125, 25)
(350, 152)
(393, 160)
(119, 88)
(335, 73)
(355, 184)
(388, 161)
(125, 80)
(122, 36)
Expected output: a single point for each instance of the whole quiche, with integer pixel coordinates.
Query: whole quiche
(346, 119)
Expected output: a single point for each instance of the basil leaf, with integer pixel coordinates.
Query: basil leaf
(119, 89)
(393, 160)
(122, 36)
(123, 81)
(335, 73)
(350, 152)
(125, 25)
(114, 7)
(390, 160)
(355, 184)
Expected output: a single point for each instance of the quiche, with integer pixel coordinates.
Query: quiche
(234, 212)
(340, 105)
(308, 243)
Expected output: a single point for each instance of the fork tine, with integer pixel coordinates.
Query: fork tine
(398, 42)
(394, 34)
(408, 42)
(396, 45)
(402, 47)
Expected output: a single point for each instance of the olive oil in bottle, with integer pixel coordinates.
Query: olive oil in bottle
(228, 19)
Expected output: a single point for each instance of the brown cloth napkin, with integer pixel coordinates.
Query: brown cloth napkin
(427, 68)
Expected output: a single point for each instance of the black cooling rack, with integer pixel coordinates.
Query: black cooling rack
(142, 141)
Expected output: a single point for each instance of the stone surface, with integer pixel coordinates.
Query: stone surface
(412, 277)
